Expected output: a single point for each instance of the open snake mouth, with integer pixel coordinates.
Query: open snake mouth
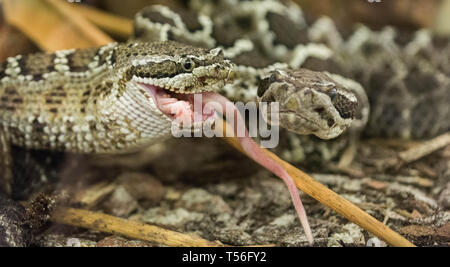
(183, 108)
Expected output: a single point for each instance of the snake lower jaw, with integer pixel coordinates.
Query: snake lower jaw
(187, 111)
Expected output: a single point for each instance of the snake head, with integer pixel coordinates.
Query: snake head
(175, 67)
(155, 86)
(309, 102)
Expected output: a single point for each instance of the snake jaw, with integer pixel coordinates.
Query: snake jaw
(187, 111)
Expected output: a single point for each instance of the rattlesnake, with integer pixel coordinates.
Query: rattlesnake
(264, 39)
(404, 74)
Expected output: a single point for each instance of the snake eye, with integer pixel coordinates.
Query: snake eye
(332, 93)
(188, 64)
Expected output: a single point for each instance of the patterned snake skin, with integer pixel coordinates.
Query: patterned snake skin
(405, 78)
(119, 98)
(402, 78)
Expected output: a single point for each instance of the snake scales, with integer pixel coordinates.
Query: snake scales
(264, 39)
(404, 74)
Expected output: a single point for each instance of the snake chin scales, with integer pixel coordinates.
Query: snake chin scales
(309, 102)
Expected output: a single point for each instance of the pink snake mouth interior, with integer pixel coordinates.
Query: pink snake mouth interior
(180, 107)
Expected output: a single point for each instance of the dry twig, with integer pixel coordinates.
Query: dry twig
(47, 21)
(116, 25)
(417, 152)
(131, 229)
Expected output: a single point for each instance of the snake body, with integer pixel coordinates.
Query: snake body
(103, 100)
(402, 79)
(92, 102)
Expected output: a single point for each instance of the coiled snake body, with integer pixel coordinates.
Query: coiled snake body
(124, 96)
(403, 77)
